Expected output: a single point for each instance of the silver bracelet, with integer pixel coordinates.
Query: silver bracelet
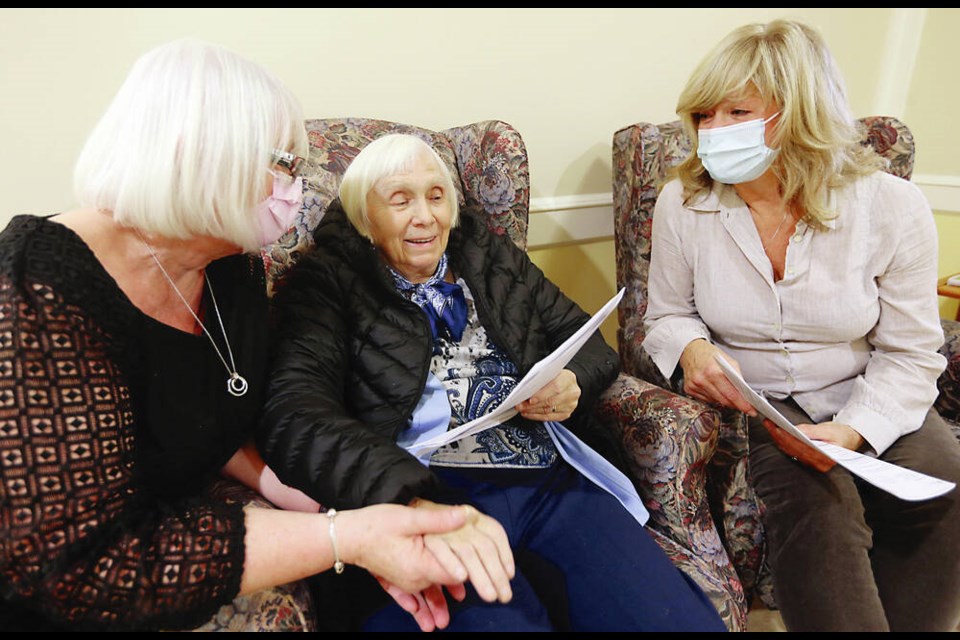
(337, 564)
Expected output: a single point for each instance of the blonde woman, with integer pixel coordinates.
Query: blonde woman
(785, 249)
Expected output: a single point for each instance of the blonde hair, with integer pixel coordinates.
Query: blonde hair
(184, 148)
(788, 64)
(387, 156)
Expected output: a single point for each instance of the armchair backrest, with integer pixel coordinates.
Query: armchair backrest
(643, 153)
(488, 160)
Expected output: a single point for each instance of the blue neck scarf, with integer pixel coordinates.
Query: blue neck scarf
(443, 302)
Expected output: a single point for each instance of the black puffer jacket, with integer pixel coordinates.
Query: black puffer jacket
(352, 357)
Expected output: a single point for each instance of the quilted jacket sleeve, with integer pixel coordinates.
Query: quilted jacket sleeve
(596, 364)
(525, 313)
(308, 434)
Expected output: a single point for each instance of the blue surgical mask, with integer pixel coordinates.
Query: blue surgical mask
(736, 153)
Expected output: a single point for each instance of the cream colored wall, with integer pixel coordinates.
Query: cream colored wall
(948, 229)
(566, 78)
(933, 92)
(586, 272)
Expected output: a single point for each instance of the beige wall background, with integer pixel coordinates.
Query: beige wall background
(565, 78)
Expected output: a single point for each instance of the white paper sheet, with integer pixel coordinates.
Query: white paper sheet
(904, 483)
(538, 377)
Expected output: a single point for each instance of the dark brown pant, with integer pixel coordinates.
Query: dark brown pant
(846, 556)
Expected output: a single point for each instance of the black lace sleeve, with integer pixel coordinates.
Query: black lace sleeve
(81, 546)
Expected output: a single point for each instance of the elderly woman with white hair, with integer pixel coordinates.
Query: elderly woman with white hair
(133, 348)
(410, 317)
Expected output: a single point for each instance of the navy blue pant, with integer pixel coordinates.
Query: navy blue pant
(583, 562)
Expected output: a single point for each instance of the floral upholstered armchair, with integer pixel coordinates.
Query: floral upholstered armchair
(642, 155)
(489, 163)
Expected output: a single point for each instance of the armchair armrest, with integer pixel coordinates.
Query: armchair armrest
(948, 402)
(668, 441)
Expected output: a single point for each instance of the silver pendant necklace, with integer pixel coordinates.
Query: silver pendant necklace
(763, 244)
(236, 383)
(779, 226)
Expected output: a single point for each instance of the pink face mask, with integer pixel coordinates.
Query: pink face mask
(276, 214)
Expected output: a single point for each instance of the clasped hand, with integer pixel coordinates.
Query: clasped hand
(478, 552)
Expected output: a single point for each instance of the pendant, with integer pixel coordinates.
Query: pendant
(237, 385)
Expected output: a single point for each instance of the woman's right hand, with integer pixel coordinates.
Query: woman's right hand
(389, 541)
(426, 545)
(704, 380)
(479, 547)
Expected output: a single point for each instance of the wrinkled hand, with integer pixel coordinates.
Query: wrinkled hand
(389, 541)
(704, 380)
(842, 435)
(479, 548)
(556, 401)
(428, 607)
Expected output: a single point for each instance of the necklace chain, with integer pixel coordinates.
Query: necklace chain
(236, 384)
(763, 244)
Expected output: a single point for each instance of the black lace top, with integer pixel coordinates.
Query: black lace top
(110, 425)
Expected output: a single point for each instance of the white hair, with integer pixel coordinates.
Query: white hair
(184, 147)
(387, 156)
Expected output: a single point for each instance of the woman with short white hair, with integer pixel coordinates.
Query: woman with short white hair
(133, 342)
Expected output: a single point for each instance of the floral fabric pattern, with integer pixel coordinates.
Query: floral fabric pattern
(668, 440)
(948, 403)
(642, 155)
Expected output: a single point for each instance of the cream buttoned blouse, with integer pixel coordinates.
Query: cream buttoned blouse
(851, 332)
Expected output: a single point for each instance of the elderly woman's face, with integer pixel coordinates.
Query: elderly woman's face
(409, 218)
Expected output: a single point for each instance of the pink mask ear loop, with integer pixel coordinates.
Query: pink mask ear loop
(287, 190)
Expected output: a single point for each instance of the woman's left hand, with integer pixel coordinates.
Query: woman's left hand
(842, 435)
(556, 401)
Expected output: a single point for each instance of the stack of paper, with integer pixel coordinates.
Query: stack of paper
(537, 378)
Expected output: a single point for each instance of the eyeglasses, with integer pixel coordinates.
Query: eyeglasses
(294, 164)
